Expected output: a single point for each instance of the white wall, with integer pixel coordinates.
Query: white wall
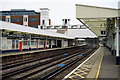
(65, 43)
(44, 16)
(25, 20)
(8, 19)
(9, 44)
(53, 42)
(4, 43)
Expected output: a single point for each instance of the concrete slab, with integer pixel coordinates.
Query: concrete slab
(108, 68)
(96, 67)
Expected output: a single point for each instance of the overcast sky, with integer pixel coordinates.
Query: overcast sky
(59, 9)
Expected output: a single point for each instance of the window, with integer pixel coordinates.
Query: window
(33, 19)
(103, 32)
(65, 21)
(25, 19)
(43, 22)
(16, 20)
(0, 19)
(47, 43)
(32, 42)
(16, 43)
(74, 27)
(13, 44)
(64, 27)
(8, 19)
(25, 42)
(41, 42)
(35, 26)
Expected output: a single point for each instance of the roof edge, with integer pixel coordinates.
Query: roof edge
(96, 6)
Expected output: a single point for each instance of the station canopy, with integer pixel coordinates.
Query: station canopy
(76, 33)
(95, 18)
(20, 28)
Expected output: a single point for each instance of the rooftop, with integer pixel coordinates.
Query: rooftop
(19, 12)
(30, 30)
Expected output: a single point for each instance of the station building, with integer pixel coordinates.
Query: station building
(27, 17)
(16, 37)
(26, 29)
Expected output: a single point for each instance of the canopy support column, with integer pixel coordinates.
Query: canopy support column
(117, 41)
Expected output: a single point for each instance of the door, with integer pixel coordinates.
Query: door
(59, 43)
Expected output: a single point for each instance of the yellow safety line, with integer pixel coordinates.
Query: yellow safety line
(70, 77)
(85, 69)
(99, 68)
(79, 75)
(82, 72)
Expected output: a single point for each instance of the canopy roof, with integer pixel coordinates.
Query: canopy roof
(78, 33)
(26, 29)
(95, 18)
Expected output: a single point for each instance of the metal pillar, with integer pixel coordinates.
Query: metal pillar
(117, 41)
(0, 41)
(45, 44)
(56, 42)
(62, 42)
(0, 44)
(51, 42)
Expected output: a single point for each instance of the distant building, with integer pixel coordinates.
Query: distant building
(44, 21)
(25, 17)
(66, 23)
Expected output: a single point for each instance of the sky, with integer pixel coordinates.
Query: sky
(58, 9)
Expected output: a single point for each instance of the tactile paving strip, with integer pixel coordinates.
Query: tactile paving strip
(84, 70)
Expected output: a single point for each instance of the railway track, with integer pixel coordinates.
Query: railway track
(49, 74)
(6, 65)
(6, 75)
(45, 65)
(30, 60)
(8, 60)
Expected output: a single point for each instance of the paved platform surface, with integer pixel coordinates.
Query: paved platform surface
(108, 68)
(99, 66)
(33, 51)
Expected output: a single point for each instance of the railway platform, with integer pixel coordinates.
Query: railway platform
(32, 51)
(99, 66)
